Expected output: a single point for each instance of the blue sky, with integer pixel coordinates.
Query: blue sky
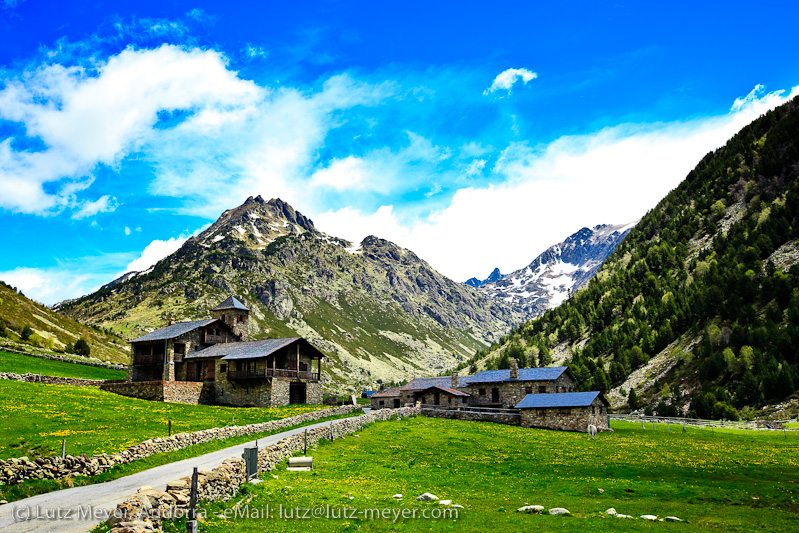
(475, 135)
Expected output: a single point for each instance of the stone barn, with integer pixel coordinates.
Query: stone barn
(436, 395)
(571, 411)
(386, 399)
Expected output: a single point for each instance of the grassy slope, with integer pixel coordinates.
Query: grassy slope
(20, 364)
(18, 311)
(726, 480)
(34, 418)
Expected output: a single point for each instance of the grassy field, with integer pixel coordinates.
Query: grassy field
(20, 364)
(33, 487)
(34, 418)
(723, 480)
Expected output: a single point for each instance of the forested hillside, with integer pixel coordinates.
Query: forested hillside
(706, 283)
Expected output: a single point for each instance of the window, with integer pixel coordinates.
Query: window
(542, 389)
(495, 395)
(223, 368)
(593, 410)
(381, 403)
(464, 399)
(482, 392)
(528, 390)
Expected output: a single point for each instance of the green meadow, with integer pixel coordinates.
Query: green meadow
(34, 418)
(20, 364)
(722, 480)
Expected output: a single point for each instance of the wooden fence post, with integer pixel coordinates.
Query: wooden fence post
(63, 448)
(191, 523)
(170, 428)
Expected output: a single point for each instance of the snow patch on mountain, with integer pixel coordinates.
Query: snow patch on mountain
(560, 270)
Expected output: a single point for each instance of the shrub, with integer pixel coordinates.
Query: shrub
(82, 348)
(26, 332)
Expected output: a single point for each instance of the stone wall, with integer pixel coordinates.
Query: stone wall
(473, 415)
(51, 380)
(22, 469)
(314, 393)
(191, 392)
(148, 506)
(144, 390)
(568, 419)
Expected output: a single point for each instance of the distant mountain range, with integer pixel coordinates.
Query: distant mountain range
(558, 271)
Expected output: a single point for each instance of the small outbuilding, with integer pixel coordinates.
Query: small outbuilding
(437, 395)
(386, 399)
(570, 411)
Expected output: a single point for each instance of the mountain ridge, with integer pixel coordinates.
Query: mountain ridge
(378, 310)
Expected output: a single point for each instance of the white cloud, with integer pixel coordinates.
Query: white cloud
(154, 252)
(104, 204)
(340, 174)
(85, 119)
(507, 78)
(252, 51)
(611, 176)
(127, 230)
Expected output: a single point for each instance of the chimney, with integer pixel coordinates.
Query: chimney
(514, 369)
(454, 382)
(171, 321)
(382, 387)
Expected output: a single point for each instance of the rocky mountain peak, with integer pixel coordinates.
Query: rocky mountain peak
(256, 223)
(495, 275)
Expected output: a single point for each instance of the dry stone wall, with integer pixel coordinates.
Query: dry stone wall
(473, 415)
(148, 507)
(51, 380)
(22, 469)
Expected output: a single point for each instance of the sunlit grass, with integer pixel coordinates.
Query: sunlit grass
(34, 418)
(722, 480)
(20, 364)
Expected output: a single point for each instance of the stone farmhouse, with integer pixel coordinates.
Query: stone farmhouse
(531, 397)
(212, 361)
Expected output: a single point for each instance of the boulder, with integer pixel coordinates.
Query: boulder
(558, 511)
(531, 509)
(672, 519)
(426, 497)
(397, 496)
(446, 503)
(611, 512)
(648, 517)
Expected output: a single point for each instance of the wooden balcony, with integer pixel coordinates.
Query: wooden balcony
(272, 373)
(146, 360)
(215, 339)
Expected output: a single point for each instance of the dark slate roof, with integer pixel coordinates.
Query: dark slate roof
(230, 303)
(249, 350)
(446, 381)
(560, 399)
(388, 393)
(451, 392)
(546, 373)
(175, 330)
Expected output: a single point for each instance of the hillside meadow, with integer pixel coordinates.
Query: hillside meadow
(34, 418)
(724, 480)
(21, 364)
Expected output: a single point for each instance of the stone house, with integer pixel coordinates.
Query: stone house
(408, 391)
(437, 395)
(386, 399)
(571, 411)
(211, 361)
(533, 397)
(506, 388)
